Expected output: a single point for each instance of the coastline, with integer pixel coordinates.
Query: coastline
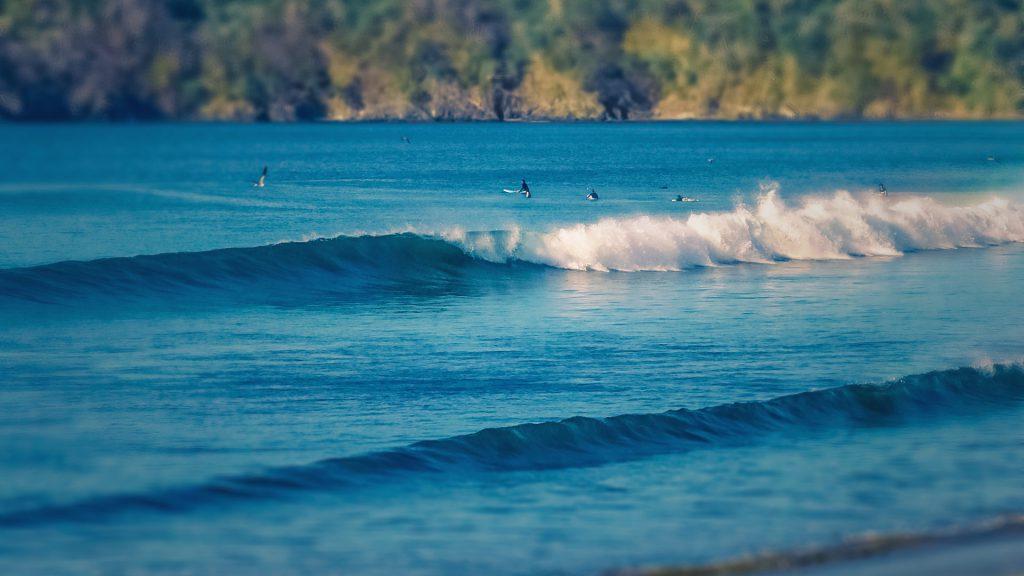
(519, 121)
(994, 547)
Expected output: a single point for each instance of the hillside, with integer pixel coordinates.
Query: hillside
(283, 60)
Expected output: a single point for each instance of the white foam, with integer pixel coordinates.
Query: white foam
(839, 226)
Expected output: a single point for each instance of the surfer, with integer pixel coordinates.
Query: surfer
(678, 198)
(524, 188)
(263, 179)
(881, 190)
(592, 195)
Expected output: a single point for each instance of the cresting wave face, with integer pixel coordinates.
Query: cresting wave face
(583, 441)
(840, 226)
(834, 227)
(314, 271)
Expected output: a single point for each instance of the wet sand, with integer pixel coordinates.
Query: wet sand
(994, 548)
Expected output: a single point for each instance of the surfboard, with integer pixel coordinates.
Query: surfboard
(508, 191)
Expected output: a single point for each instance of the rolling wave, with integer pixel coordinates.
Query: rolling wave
(307, 271)
(840, 226)
(583, 441)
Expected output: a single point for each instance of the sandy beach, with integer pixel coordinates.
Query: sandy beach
(994, 548)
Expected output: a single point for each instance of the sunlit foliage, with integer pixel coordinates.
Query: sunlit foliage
(281, 60)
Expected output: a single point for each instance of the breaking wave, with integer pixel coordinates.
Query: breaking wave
(583, 441)
(836, 227)
(840, 226)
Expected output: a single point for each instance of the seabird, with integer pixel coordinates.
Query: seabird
(263, 179)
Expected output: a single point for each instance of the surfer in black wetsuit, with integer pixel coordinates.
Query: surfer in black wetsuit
(524, 188)
(592, 195)
(881, 190)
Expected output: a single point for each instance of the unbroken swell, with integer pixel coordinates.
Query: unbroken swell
(583, 441)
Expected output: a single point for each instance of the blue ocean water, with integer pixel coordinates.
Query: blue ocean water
(381, 363)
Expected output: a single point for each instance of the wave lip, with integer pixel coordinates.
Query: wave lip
(583, 441)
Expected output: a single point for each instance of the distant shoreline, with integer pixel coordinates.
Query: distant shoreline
(420, 121)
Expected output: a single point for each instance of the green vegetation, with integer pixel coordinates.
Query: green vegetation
(285, 60)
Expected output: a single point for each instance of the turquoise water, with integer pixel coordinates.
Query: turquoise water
(341, 372)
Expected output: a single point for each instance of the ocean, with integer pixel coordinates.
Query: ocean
(381, 363)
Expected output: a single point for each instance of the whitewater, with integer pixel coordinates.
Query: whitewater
(835, 227)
